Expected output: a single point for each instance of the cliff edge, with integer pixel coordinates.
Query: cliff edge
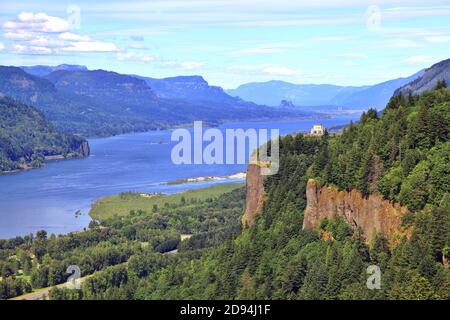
(255, 194)
(372, 214)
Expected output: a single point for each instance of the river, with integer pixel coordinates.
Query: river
(47, 198)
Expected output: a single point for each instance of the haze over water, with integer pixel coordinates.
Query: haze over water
(47, 198)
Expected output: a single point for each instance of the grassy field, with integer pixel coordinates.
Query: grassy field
(123, 203)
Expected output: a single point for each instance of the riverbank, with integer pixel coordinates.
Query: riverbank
(127, 203)
(239, 175)
(46, 199)
(83, 152)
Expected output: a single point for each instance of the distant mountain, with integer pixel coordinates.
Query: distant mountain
(429, 78)
(42, 71)
(286, 104)
(102, 103)
(189, 88)
(273, 92)
(111, 91)
(69, 114)
(27, 138)
(375, 96)
(325, 96)
(171, 100)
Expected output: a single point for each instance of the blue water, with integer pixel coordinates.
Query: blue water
(47, 198)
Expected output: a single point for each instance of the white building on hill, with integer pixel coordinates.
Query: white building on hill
(317, 130)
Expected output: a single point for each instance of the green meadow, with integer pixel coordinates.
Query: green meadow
(122, 204)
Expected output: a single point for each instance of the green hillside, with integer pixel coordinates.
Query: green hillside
(27, 138)
(105, 103)
(124, 203)
(402, 155)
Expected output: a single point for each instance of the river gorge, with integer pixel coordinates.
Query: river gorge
(48, 198)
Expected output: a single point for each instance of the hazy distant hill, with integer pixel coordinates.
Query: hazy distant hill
(363, 97)
(189, 88)
(375, 96)
(66, 114)
(27, 138)
(171, 100)
(274, 91)
(102, 103)
(111, 91)
(428, 80)
(42, 71)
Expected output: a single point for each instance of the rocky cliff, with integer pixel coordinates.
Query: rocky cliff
(255, 194)
(371, 214)
(84, 149)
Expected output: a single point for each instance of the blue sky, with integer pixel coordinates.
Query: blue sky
(230, 42)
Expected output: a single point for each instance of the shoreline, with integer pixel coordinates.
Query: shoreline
(27, 166)
(238, 175)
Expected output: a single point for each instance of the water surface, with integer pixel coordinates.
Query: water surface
(47, 198)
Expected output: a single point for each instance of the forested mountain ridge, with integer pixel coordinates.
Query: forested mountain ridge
(43, 70)
(132, 97)
(27, 138)
(190, 88)
(322, 96)
(117, 92)
(103, 103)
(401, 155)
(66, 114)
(429, 79)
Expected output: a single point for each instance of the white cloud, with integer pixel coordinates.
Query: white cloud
(39, 22)
(263, 70)
(19, 35)
(169, 63)
(403, 44)
(266, 49)
(438, 39)
(22, 49)
(334, 38)
(255, 51)
(46, 42)
(409, 12)
(354, 55)
(279, 71)
(172, 14)
(73, 37)
(91, 46)
(191, 65)
(131, 56)
(2, 46)
(43, 34)
(420, 59)
(187, 65)
(136, 46)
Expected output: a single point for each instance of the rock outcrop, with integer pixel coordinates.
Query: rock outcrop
(372, 214)
(84, 149)
(255, 194)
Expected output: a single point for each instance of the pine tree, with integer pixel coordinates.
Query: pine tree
(440, 84)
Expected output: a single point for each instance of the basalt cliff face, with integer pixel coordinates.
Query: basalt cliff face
(255, 194)
(84, 149)
(79, 149)
(372, 214)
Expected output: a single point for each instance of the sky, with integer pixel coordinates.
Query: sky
(231, 42)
